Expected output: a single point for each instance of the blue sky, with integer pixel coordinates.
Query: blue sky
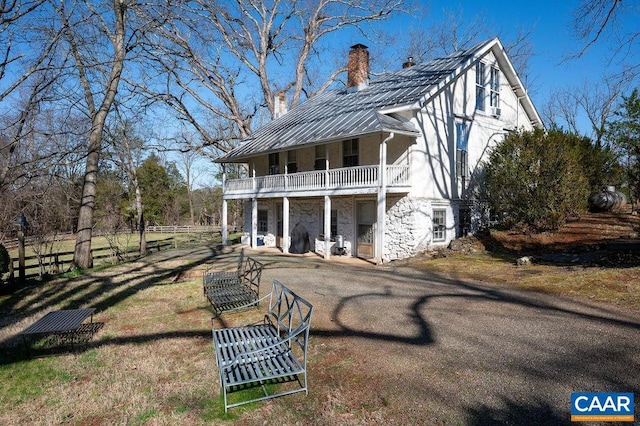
(552, 38)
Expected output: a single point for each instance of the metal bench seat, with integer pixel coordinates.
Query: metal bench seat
(231, 297)
(234, 290)
(274, 352)
(254, 353)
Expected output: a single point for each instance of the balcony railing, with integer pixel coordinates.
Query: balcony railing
(343, 179)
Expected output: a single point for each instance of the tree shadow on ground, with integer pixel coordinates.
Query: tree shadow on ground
(517, 413)
(100, 290)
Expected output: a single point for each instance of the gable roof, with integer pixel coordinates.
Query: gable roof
(345, 113)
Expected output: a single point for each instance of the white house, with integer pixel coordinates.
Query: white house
(386, 167)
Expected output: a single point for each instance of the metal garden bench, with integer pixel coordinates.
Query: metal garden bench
(272, 355)
(234, 290)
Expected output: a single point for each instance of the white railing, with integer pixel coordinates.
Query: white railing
(332, 179)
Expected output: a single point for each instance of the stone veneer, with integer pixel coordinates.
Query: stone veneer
(409, 227)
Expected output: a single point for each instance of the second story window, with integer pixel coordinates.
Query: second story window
(462, 142)
(292, 161)
(350, 153)
(274, 163)
(480, 89)
(494, 86)
(321, 157)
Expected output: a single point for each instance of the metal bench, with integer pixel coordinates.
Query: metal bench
(210, 278)
(272, 355)
(234, 290)
(63, 327)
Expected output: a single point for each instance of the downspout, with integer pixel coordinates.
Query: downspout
(382, 199)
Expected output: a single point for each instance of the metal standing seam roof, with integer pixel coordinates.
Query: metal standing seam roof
(342, 113)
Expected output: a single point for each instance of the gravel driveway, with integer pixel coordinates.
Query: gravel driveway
(401, 346)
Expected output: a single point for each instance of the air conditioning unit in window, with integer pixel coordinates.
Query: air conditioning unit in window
(495, 112)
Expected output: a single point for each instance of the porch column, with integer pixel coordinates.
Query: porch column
(225, 230)
(286, 239)
(382, 200)
(254, 223)
(327, 227)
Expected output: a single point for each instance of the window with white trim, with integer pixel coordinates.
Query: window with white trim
(334, 223)
(350, 153)
(462, 142)
(263, 220)
(321, 157)
(494, 87)
(439, 220)
(480, 86)
(292, 161)
(274, 163)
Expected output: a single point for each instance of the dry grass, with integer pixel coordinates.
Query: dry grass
(619, 286)
(152, 361)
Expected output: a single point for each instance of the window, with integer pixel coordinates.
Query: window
(334, 222)
(321, 157)
(292, 161)
(350, 153)
(494, 86)
(462, 141)
(274, 163)
(480, 83)
(439, 222)
(263, 220)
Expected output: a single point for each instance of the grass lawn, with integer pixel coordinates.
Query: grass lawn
(152, 362)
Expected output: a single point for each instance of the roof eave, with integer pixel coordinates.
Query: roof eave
(244, 158)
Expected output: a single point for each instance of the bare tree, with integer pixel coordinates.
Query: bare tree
(190, 173)
(596, 19)
(456, 32)
(16, 63)
(126, 144)
(85, 25)
(225, 61)
(597, 102)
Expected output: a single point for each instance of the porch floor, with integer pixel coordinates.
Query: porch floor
(349, 260)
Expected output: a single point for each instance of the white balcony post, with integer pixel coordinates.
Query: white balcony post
(253, 177)
(326, 166)
(224, 232)
(225, 229)
(286, 240)
(382, 200)
(327, 227)
(254, 223)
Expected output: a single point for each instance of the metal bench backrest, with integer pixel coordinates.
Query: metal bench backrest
(291, 315)
(241, 264)
(251, 274)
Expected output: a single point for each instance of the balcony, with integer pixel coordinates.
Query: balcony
(343, 181)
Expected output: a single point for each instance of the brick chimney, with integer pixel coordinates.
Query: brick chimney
(358, 67)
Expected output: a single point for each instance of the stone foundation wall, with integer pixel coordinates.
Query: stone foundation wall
(409, 227)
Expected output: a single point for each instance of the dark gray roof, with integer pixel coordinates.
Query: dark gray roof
(342, 113)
